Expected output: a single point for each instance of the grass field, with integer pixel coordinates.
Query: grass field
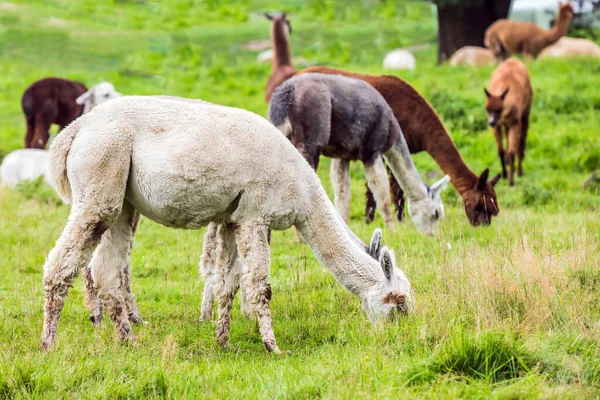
(509, 311)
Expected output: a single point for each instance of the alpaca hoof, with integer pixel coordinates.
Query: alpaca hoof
(275, 350)
(47, 346)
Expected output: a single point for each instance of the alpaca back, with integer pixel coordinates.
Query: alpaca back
(473, 56)
(513, 74)
(571, 47)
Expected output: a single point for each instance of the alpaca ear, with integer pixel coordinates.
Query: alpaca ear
(269, 16)
(482, 184)
(83, 98)
(503, 95)
(375, 245)
(387, 263)
(289, 26)
(487, 94)
(439, 185)
(495, 179)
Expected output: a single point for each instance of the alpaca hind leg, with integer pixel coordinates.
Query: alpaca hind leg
(514, 137)
(72, 251)
(397, 195)
(132, 309)
(108, 270)
(30, 121)
(226, 280)
(92, 301)
(208, 265)
(500, 146)
(252, 243)
(41, 132)
(377, 180)
(340, 178)
(370, 207)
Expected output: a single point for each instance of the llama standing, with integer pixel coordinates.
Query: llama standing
(508, 106)
(424, 131)
(281, 64)
(165, 163)
(58, 101)
(347, 119)
(525, 37)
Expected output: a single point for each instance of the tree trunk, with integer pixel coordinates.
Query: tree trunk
(462, 25)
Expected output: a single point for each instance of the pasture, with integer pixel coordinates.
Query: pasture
(507, 311)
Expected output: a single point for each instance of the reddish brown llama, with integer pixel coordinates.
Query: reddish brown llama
(508, 106)
(525, 37)
(424, 131)
(46, 102)
(281, 65)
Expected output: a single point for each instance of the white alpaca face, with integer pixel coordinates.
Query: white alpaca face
(393, 298)
(98, 94)
(425, 213)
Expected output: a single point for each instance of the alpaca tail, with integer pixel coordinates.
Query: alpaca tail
(57, 162)
(492, 41)
(279, 107)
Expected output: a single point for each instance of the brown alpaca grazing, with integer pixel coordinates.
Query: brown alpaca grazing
(281, 65)
(525, 37)
(46, 102)
(508, 105)
(424, 131)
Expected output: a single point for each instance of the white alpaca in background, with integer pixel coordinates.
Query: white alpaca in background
(159, 157)
(97, 95)
(22, 165)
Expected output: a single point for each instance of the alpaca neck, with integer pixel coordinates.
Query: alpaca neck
(327, 236)
(400, 162)
(559, 30)
(281, 47)
(442, 149)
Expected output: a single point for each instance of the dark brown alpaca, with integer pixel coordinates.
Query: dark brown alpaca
(46, 102)
(424, 131)
(508, 106)
(525, 37)
(281, 67)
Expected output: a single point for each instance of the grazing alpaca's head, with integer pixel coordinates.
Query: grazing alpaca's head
(480, 202)
(426, 212)
(393, 297)
(494, 106)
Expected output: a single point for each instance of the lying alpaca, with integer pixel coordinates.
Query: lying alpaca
(159, 157)
(571, 47)
(424, 131)
(347, 119)
(509, 108)
(22, 165)
(282, 68)
(525, 37)
(476, 56)
(58, 101)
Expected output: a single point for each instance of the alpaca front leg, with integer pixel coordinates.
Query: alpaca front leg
(397, 195)
(377, 179)
(72, 252)
(500, 146)
(514, 136)
(208, 265)
(252, 243)
(340, 179)
(108, 271)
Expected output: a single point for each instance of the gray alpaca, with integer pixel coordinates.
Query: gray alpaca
(347, 119)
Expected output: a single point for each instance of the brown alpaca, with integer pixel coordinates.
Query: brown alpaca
(525, 37)
(508, 105)
(424, 131)
(281, 66)
(46, 102)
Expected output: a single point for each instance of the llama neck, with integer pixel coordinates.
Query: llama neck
(350, 265)
(559, 30)
(281, 47)
(400, 162)
(442, 149)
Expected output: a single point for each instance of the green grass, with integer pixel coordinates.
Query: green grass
(509, 311)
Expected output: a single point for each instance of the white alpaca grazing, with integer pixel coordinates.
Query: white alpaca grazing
(98, 94)
(160, 157)
(22, 165)
(399, 59)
